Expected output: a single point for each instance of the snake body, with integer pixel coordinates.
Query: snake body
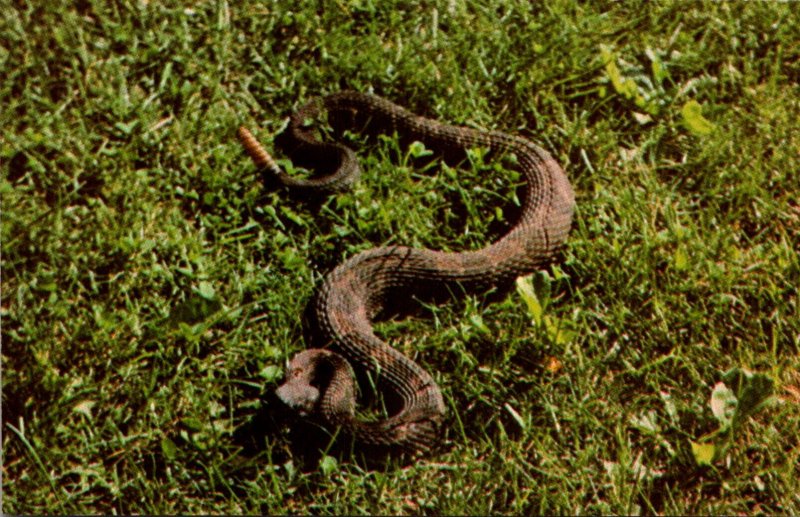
(320, 381)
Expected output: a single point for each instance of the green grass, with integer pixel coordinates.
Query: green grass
(152, 289)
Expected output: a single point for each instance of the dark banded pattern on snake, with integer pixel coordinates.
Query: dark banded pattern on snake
(361, 287)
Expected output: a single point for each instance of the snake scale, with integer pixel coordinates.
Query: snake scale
(321, 381)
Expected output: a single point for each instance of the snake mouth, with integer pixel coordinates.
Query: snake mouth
(299, 396)
(307, 374)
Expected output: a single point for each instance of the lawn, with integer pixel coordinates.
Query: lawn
(153, 287)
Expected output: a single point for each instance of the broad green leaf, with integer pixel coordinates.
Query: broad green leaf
(723, 404)
(736, 378)
(206, 290)
(693, 119)
(752, 390)
(680, 260)
(169, 448)
(328, 465)
(703, 453)
(193, 423)
(270, 372)
(559, 330)
(755, 394)
(525, 290)
(417, 150)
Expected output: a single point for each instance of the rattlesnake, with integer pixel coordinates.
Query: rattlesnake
(320, 381)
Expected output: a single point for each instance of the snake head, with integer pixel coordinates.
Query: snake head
(299, 391)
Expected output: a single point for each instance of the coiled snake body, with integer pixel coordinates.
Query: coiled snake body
(320, 380)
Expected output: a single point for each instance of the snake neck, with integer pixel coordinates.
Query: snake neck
(322, 382)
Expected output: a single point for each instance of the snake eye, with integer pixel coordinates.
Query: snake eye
(307, 375)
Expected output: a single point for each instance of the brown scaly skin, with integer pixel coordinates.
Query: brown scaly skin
(361, 287)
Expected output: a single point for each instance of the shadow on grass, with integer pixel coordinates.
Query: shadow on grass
(307, 442)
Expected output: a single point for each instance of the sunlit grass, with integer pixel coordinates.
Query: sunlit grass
(152, 289)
